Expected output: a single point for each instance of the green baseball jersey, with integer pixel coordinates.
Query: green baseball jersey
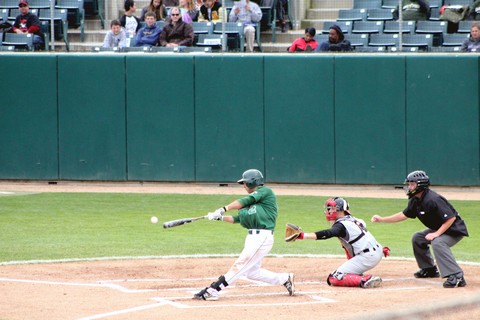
(259, 210)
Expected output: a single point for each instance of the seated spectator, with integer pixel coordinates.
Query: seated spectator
(336, 41)
(249, 13)
(472, 44)
(474, 11)
(189, 11)
(171, 3)
(176, 32)
(150, 34)
(211, 11)
(415, 10)
(157, 7)
(115, 37)
(129, 22)
(27, 22)
(306, 43)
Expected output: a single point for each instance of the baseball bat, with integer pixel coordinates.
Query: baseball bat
(179, 222)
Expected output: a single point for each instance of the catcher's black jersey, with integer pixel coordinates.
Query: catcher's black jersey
(433, 210)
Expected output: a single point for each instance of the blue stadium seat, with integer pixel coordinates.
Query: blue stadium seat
(394, 27)
(352, 15)
(346, 26)
(367, 27)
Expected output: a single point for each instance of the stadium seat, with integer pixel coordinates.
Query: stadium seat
(403, 49)
(269, 17)
(201, 28)
(137, 49)
(367, 4)
(431, 27)
(40, 4)
(234, 32)
(195, 49)
(321, 38)
(45, 28)
(213, 41)
(424, 41)
(389, 4)
(464, 26)
(380, 14)
(15, 12)
(457, 2)
(9, 4)
(434, 14)
(4, 15)
(370, 49)
(447, 49)
(102, 49)
(19, 40)
(454, 39)
(384, 40)
(352, 15)
(75, 14)
(367, 27)
(357, 40)
(60, 18)
(394, 26)
(346, 26)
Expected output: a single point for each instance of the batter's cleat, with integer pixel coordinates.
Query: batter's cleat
(453, 282)
(427, 273)
(372, 282)
(206, 295)
(290, 285)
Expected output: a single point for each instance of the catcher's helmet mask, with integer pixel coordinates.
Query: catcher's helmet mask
(335, 205)
(252, 178)
(421, 179)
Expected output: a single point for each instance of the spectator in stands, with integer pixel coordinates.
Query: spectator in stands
(249, 13)
(157, 7)
(474, 11)
(115, 37)
(307, 43)
(129, 22)
(472, 44)
(211, 10)
(415, 9)
(281, 4)
(171, 3)
(176, 32)
(27, 22)
(150, 34)
(189, 11)
(336, 41)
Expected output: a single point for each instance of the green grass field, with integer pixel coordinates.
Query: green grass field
(94, 225)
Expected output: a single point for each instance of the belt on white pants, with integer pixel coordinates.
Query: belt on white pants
(259, 231)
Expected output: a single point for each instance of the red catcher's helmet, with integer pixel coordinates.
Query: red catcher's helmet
(330, 210)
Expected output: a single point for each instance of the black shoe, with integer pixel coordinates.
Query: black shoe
(453, 281)
(284, 27)
(427, 273)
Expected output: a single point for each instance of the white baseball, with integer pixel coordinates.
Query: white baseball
(154, 219)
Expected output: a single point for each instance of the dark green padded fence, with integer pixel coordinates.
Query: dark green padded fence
(443, 118)
(91, 107)
(370, 119)
(229, 116)
(299, 119)
(160, 118)
(360, 119)
(28, 117)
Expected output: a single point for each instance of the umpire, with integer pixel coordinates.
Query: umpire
(445, 229)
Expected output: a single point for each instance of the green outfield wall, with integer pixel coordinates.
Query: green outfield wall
(349, 119)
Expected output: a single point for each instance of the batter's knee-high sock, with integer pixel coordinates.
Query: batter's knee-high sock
(220, 284)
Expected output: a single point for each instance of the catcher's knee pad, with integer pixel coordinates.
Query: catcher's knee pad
(338, 279)
(219, 284)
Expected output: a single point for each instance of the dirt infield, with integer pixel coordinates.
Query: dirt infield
(162, 288)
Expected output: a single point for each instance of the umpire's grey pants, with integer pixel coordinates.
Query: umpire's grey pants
(441, 249)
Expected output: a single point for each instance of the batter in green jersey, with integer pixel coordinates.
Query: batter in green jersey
(257, 212)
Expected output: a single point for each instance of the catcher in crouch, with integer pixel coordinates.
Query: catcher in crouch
(363, 251)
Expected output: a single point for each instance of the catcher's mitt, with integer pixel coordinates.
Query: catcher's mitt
(292, 232)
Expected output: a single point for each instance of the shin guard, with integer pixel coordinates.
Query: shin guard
(346, 279)
(219, 284)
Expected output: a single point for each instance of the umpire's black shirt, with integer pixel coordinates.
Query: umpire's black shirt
(433, 210)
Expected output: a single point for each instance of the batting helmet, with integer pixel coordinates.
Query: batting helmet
(252, 178)
(422, 180)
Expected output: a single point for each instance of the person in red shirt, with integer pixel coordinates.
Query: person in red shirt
(306, 43)
(27, 22)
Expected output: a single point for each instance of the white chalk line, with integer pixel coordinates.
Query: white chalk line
(317, 297)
